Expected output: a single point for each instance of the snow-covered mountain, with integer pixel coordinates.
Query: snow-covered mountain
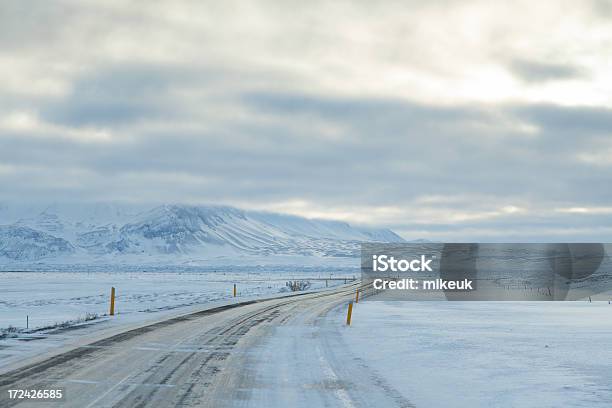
(172, 233)
(25, 244)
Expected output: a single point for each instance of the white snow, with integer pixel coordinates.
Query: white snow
(488, 354)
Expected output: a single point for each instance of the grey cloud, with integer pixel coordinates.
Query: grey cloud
(537, 71)
(586, 120)
(388, 152)
(122, 94)
(379, 112)
(518, 228)
(601, 8)
(23, 24)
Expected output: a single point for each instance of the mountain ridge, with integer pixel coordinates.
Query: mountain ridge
(176, 233)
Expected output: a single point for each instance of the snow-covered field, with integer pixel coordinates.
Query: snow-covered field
(55, 297)
(58, 302)
(435, 354)
(493, 354)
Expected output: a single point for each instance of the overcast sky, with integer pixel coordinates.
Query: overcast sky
(451, 120)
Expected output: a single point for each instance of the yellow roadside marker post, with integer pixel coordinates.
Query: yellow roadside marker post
(234, 290)
(112, 301)
(349, 313)
(357, 296)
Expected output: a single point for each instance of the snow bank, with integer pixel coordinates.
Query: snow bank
(489, 354)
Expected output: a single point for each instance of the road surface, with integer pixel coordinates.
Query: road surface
(284, 352)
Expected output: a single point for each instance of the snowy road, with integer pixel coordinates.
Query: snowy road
(278, 352)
